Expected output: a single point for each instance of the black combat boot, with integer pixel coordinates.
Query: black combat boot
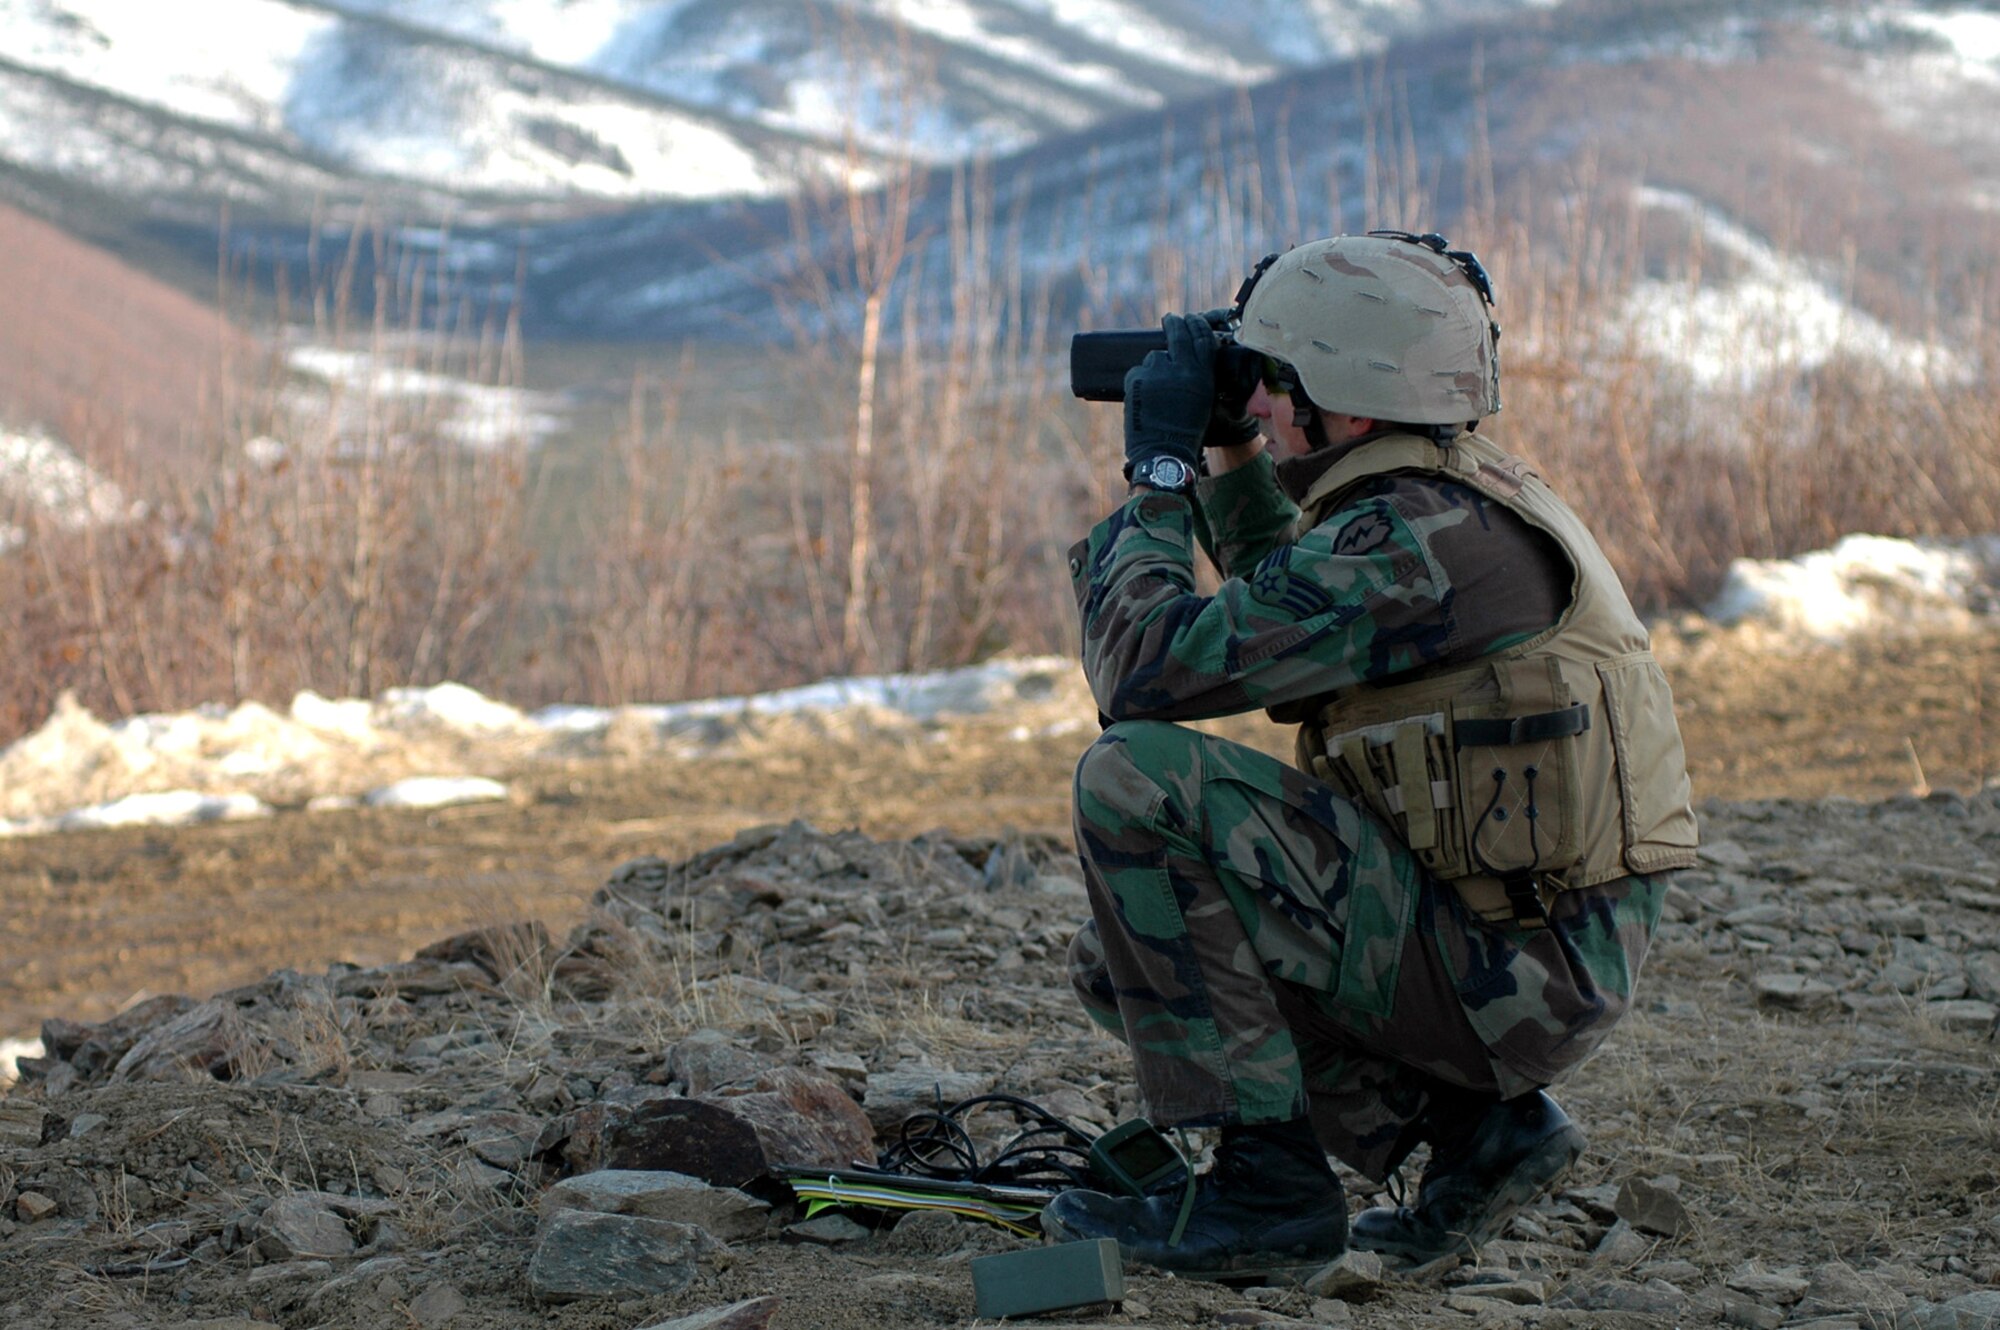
(1483, 1169)
(1269, 1208)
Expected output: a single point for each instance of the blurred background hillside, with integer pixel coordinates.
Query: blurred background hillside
(615, 350)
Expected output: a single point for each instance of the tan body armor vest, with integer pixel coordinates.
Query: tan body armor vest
(1552, 765)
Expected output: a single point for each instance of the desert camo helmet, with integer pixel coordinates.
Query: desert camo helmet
(1388, 325)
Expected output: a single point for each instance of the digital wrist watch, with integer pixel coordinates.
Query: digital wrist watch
(1164, 473)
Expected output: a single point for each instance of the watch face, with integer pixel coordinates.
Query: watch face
(1167, 473)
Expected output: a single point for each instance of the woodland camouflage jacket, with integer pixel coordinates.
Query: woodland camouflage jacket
(1412, 572)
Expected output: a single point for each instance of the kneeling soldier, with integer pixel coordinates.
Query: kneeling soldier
(1443, 905)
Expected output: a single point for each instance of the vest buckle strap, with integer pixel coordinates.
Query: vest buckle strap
(1538, 728)
(1524, 894)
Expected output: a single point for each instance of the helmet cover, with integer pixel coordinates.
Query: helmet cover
(1379, 326)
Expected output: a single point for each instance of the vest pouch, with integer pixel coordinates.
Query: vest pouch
(1401, 771)
(1518, 779)
(1653, 791)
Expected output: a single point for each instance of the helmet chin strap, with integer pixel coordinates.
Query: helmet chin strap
(1306, 417)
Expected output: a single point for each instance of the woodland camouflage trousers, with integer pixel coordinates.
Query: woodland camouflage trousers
(1268, 951)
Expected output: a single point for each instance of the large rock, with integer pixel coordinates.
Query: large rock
(722, 1211)
(787, 1116)
(586, 1255)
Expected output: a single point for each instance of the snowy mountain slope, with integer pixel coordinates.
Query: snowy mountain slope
(637, 138)
(231, 108)
(1773, 311)
(946, 77)
(1587, 118)
(590, 101)
(86, 139)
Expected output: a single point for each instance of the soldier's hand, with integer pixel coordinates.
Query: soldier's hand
(1170, 395)
(1230, 425)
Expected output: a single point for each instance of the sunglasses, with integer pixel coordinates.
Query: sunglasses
(1280, 379)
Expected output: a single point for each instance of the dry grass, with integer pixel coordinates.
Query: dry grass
(899, 490)
(935, 1025)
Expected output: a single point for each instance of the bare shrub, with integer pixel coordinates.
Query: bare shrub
(362, 552)
(900, 489)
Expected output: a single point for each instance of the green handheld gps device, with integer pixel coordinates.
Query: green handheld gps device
(1134, 1158)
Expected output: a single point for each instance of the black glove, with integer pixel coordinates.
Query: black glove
(1230, 423)
(1170, 395)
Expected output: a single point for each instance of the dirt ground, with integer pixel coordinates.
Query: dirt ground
(95, 920)
(1794, 1126)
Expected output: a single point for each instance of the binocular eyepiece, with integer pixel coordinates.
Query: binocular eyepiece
(1099, 361)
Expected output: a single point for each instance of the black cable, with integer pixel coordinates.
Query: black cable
(936, 1143)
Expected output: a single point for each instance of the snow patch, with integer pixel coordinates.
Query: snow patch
(435, 792)
(232, 67)
(1864, 584)
(164, 808)
(42, 473)
(1974, 34)
(450, 705)
(11, 1053)
(473, 415)
(919, 697)
(428, 747)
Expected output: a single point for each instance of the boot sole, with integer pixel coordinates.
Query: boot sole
(1549, 1160)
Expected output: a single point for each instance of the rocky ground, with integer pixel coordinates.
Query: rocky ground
(1796, 1126)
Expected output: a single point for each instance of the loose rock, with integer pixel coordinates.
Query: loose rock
(22, 1125)
(1797, 991)
(890, 1097)
(33, 1207)
(786, 1116)
(301, 1227)
(1356, 1277)
(827, 1230)
(722, 1211)
(436, 1305)
(1651, 1207)
(585, 1255)
(1769, 1286)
